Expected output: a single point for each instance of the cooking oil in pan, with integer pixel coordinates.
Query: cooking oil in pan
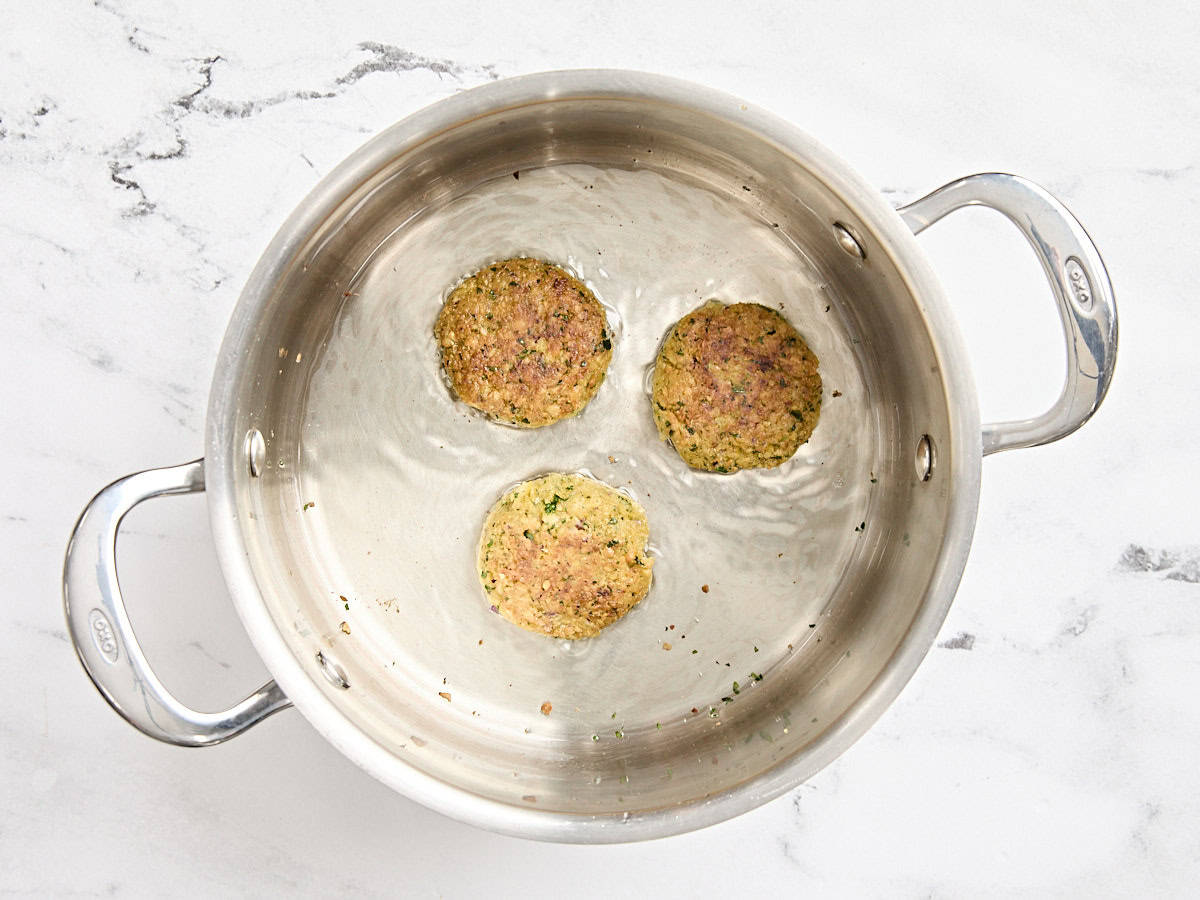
(402, 475)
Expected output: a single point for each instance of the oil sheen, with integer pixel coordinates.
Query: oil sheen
(400, 475)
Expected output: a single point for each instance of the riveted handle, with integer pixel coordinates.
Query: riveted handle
(104, 638)
(1081, 288)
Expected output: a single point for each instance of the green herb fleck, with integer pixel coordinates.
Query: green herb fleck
(756, 676)
(307, 506)
(553, 504)
(529, 534)
(797, 414)
(619, 733)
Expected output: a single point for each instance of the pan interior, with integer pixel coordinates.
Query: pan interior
(363, 524)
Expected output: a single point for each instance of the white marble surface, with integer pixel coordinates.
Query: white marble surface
(1048, 745)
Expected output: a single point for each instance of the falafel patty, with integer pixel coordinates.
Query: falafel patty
(564, 555)
(524, 341)
(735, 387)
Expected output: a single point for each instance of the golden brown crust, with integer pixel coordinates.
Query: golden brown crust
(524, 341)
(564, 555)
(735, 387)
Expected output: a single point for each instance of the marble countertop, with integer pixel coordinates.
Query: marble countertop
(1048, 744)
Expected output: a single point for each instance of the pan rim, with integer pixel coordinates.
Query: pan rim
(960, 462)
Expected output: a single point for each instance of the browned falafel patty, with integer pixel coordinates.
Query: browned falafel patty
(564, 555)
(524, 341)
(735, 387)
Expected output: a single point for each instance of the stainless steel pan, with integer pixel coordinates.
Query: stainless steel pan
(347, 487)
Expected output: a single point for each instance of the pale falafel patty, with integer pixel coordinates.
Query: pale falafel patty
(564, 555)
(735, 387)
(524, 341)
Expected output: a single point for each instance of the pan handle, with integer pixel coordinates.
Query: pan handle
(104, 639)
(1081, 288)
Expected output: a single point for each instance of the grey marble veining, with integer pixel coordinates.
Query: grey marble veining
(1047, 745)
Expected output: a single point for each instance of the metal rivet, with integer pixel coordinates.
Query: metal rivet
(848, 241)
(332, 671)
(926, 456)
(256, 451)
